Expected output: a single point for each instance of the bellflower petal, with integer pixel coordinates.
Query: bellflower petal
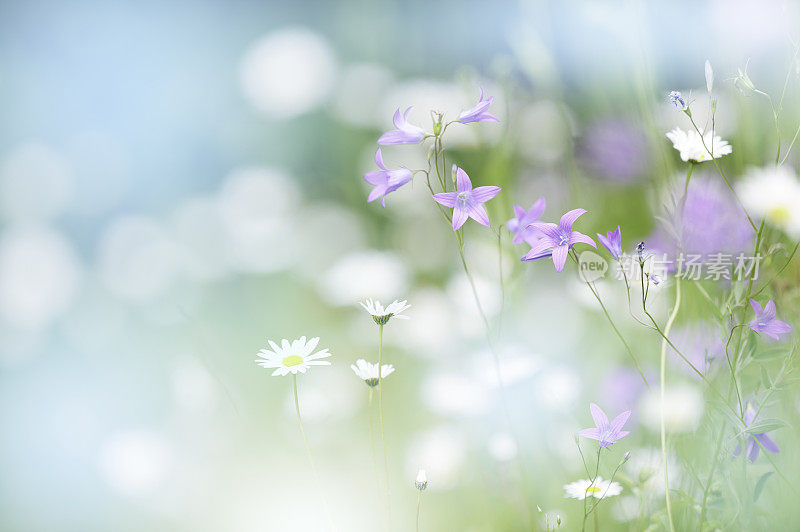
(459, 218)
(404, 133)
(599, 417)
(463, 182)
(478, 213)
(767, 442)
(560, 257)
(539, 249)
(569, 218)
(448, 199)
(752, 450)
(484, 194)
(576, 237)
(769, 310)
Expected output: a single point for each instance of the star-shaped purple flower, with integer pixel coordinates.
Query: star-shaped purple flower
(765, 320)
(467, 202)
(404, 134)
(386, 181)
(612, 242)
(607, 434)
(557, 239)
(752, 445)
(478, 112)
(519, 225)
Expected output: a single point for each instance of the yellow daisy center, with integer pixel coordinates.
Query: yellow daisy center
(779, 214)
(593, 489)
(292, 360)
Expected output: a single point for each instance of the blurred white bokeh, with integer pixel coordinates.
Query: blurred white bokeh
(257, 206)
(138, 260)
(134, 462)
(288, 72)
(39, 275)
(442, 452)
(372, 274)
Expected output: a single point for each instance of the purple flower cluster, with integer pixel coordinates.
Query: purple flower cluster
(466, 201)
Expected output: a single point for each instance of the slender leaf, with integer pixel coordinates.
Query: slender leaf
(760, 485)
(765, 425)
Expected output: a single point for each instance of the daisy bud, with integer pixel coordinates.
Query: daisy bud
(453, 173)
(422, 480)
(558, 519)
(625, 458)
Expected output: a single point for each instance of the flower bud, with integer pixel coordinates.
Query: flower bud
(422, 480)
(709, 76)
(437, 124)
(743, 82)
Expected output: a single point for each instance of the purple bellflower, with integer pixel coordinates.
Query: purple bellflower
(467, 202)
(478, 112)
(519, 225)
(607, 434)
(755, 439)
(612, 242)
(765, 320)
(386, 181)
(557, 239)
(404, 134)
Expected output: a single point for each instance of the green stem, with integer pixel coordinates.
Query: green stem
(574, 256)
(619, 334)
(310, 456)
(791, 256)
(498, 371)
(585, 499)
(372, 445)
(383, 434)
(419, 502)
(667, 328)
(724, 177)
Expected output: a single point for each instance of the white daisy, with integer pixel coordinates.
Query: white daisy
(369, 372)
(382, 315)
(292, 358)
(772, 193)
(599, 489)
(691, 148)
